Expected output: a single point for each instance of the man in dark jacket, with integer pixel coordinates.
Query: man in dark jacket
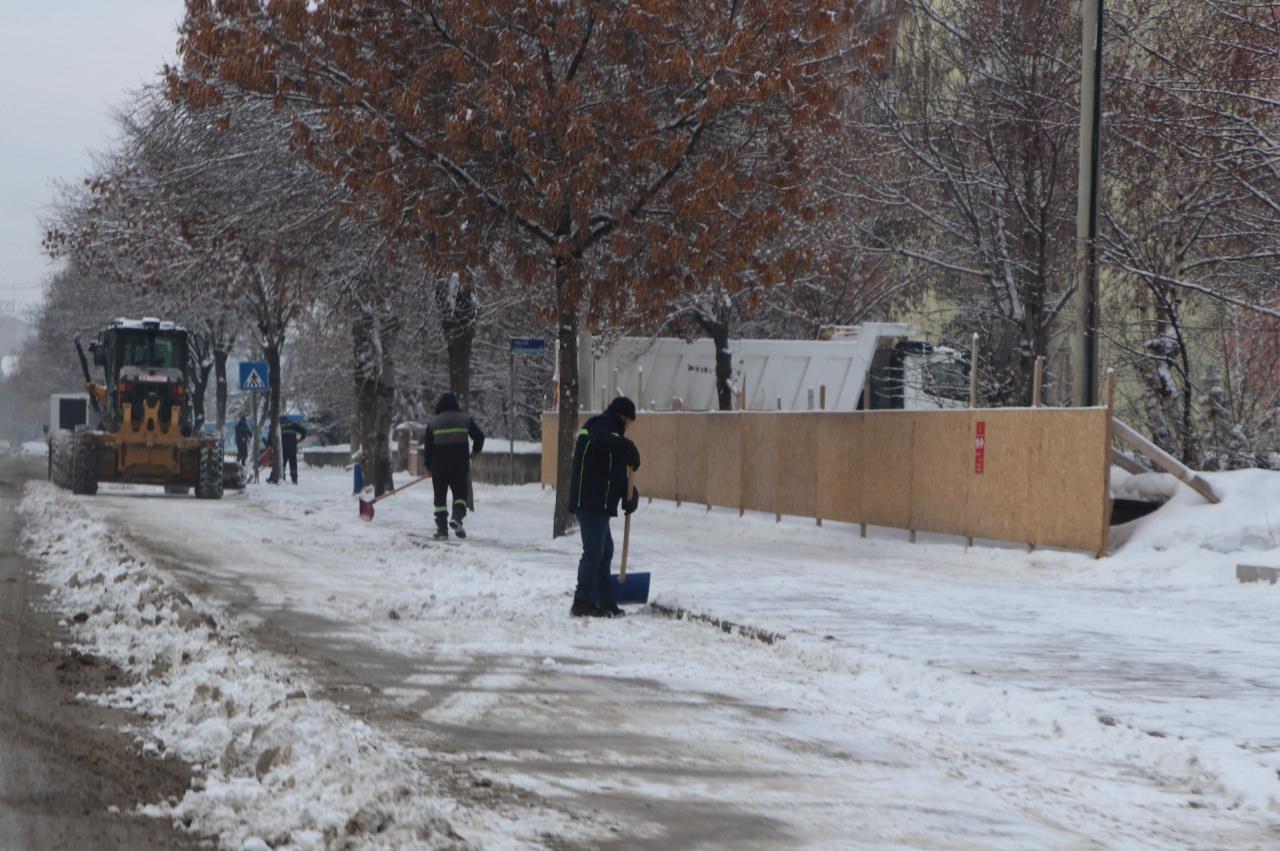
(291, 434)
(446, 456)
(243, 434)
(601, 457)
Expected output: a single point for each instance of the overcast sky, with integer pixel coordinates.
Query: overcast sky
(64, 65)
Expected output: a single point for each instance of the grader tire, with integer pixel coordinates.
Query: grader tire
(60, 458)
(209, 485)
(84, 464)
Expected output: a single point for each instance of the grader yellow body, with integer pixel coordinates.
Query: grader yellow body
(144, 434)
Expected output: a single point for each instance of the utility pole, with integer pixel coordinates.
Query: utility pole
(1084, 342)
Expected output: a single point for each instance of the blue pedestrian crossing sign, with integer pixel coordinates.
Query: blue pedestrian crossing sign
(253, 377)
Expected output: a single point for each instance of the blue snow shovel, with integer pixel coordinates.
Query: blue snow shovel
(633, 588)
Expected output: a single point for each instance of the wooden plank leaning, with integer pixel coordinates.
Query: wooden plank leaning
(1163, 459)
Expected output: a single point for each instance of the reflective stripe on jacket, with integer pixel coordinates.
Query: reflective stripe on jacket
(447, 439)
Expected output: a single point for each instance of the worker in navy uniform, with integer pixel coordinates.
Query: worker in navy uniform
(451, 441)
(601, 457)
(291, 434)
(243, 434)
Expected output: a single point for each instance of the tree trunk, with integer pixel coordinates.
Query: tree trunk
(388, 327)
(200, 366)
(567, 320)
(201, 380)
(718, 331)
(457, 307)
(374, 395)
(272, 352)
(459, 348)
(220, 386)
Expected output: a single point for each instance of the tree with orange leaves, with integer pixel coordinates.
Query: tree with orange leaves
(620, 152)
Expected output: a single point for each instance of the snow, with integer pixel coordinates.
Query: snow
(1147, 487)
(35, 447)
(929, 694)
(498, 445)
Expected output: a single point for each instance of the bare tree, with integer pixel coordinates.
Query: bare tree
(965, 165)
(1192, 215)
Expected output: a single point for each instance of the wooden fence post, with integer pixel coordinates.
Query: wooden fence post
(973, 372)
(1038, 382)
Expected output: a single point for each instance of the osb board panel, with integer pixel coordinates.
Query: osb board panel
(655, 437)
(690, 453)
(942, 471)
(795, 482)
(761, 471)
(886, 469)
(1000, 496)
(838, 449)
(1067, 496)
(1043, 480)
(550, 422)
(724, 458)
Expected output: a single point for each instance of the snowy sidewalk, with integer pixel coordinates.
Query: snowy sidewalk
(923, 695)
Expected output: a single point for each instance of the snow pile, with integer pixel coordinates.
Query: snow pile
(273, 766)
(1246, 520)
(36, 448)
(1148, 487)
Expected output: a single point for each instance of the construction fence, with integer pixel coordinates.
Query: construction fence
(1033, 475)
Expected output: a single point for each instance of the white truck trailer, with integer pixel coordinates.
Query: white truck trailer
(665, 373)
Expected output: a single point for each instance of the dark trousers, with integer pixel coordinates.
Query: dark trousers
(291, 463)
(444, 480)
(594, 584)
(242, 451)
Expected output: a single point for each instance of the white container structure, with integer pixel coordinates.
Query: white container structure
(665, 373)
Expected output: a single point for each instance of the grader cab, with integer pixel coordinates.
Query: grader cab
(144, 432)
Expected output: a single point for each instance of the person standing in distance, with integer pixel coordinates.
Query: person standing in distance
(601, 457)
(243, 434)
(445, 456)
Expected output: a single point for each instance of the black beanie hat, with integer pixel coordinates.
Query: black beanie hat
(623, 407)
(448, 402)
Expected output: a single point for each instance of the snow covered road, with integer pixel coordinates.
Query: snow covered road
(924, 696)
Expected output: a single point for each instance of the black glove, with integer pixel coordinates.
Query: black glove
(630, 505)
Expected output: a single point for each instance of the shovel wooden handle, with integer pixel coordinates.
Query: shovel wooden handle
(626, 530)
(397, 490)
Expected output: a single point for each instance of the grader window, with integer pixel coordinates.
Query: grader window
(134, 351)
(166, 353)
(155, 351)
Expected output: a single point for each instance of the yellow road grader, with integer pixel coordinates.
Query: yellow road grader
(144, 433)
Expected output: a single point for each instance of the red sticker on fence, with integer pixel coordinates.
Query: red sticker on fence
(980, 447)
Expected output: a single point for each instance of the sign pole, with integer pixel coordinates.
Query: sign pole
(523, 346)
(256, 438)
(511, 422)
(252, 382)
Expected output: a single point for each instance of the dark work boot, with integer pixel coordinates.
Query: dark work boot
(584, 609)
(442, 527)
